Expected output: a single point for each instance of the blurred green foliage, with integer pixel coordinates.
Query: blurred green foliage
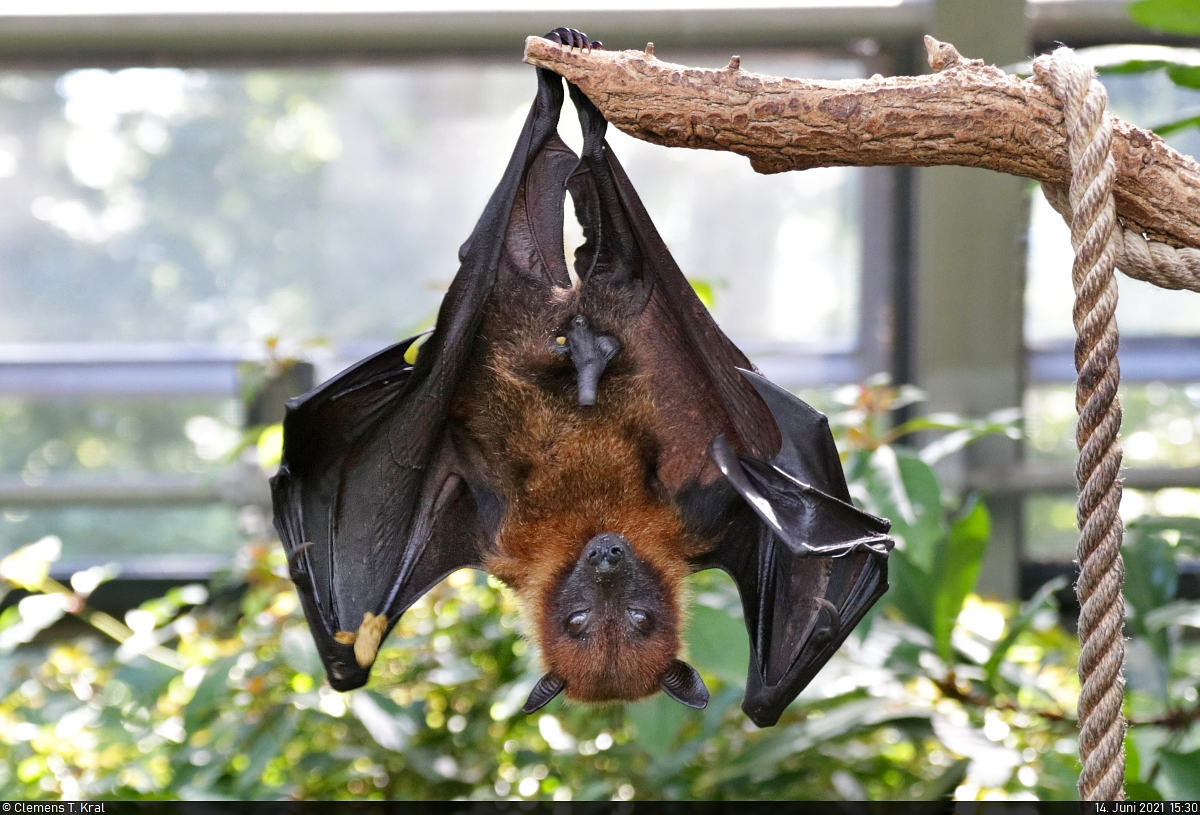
(1179, 17)
(1160, 428)
(219, 693)
(1170, 16)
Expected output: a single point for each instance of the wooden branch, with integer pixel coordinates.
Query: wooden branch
(965, 114)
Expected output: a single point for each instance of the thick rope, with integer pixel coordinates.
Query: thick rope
(1138, 257)
(1098, 243)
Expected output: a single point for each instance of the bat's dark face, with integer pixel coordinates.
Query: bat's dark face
(611, 629)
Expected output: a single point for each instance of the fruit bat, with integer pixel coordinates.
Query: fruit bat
(590, 441)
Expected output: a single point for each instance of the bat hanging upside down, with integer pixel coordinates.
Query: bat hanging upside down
(589, 443)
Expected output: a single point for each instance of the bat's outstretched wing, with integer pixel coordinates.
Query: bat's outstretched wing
(379, 495)
(807, 563)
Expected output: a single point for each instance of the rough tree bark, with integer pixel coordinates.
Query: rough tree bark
(966, 113)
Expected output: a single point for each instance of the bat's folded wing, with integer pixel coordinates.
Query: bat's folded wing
(807, 563)
(379, 495)
(367, 524)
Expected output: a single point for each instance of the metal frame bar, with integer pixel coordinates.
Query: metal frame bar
(1143, 359)
(368, 30)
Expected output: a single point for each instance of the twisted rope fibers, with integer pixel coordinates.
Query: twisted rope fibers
(1099, 245)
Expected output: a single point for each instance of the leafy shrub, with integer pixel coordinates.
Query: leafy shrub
(219, 693)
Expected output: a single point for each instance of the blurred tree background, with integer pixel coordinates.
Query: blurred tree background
(219, 693)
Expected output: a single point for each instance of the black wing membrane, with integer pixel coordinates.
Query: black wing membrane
(807, 563)
(376, 498)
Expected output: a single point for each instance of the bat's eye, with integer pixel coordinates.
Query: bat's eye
(576, 623)
(560, 340)
(641, 620)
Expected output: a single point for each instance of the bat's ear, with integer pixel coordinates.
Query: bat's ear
(546, 689)
(684, 685)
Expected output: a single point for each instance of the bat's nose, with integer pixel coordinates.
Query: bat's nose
(605, 552)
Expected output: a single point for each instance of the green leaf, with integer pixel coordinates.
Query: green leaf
(658, 721)
(1171, 16)
(908, 591)
(1133, 759)
(1060, 774)
(1042, 598)
(704, 290)
(1141, 791)
(1181, 612)
(1134, 66)
(942, 788)
(1151, 580)
(1179, 775)
(1147, 668)
(147, 679)
(718, 644)
(906, 656)
(958, 569)
(1187, 76)
(299, 651)
(1175, 126)
(967, 431)
(1133, 772)
(847, 718)
(210, 693)
(669, 766)
(268, 742)
(389, 724)
(904, 489)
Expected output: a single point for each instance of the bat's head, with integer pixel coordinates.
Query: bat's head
(610, 631)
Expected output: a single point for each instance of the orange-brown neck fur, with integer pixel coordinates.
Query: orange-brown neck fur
(568, 473)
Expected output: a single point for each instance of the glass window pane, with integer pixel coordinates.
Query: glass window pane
(121, 534)
(1050, 531)
(233, 205)
(320, 204)
(101, 439)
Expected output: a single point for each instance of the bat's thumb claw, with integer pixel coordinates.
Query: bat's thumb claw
(368, 637)
(829, 620)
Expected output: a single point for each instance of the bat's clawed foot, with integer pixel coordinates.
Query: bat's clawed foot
(574, 39)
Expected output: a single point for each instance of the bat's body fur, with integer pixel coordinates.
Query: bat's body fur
(568, 473)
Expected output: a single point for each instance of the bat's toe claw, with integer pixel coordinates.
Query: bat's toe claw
(573, 39)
